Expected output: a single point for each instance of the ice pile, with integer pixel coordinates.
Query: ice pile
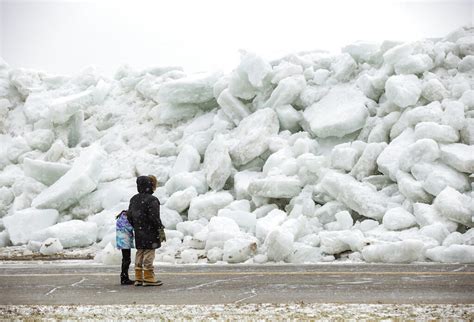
(364, 156)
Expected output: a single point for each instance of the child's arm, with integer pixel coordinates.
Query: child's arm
(129, 217)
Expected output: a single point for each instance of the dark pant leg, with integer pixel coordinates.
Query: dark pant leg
(126, 260)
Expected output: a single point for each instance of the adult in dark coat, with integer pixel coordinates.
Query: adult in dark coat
(144, 216)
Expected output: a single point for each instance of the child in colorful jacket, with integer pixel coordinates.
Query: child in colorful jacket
(124, 241)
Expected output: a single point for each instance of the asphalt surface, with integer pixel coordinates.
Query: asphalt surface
(84, 283)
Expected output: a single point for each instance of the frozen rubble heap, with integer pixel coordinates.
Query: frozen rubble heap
(367, 155)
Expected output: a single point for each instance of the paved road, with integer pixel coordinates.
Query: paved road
(81, 282)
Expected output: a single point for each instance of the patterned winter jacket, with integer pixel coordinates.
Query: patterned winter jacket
(124, 232)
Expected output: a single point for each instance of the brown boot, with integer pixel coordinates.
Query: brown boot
(149, 278)
(138, 276)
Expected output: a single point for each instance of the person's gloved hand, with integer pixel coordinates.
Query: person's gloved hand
(162, 235)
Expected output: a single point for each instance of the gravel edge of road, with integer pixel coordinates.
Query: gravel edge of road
(241, 312)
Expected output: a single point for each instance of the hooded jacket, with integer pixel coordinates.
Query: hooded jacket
(144, 215)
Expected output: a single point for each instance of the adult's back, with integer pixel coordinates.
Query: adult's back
(144, 215)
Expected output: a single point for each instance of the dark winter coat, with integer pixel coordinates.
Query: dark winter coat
(144, 215)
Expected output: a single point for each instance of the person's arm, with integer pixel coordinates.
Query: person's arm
(155, 212)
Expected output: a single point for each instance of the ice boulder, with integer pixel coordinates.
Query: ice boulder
(188, 160)
(423, 150)
(455, 206)
(303, 254)
(320, 76)
(466, 64)
(214, 254)
(242, 181)
(193, 89)
(436, 176)
(76, 183)
(285, 69)
(73, 233)
(357, 196)
(180, 200)
(434, 90)
(169, 114)
(22, 224)
(411, 188)
(232, 107)
(397, 53)
(343, 221)
(467, 99)
(36, 106)
(191, 227)
(437, 132)
(255, 68)
(169, 217)
(427, 214)
(327, 212)
(41, 139)
(16, 150)
(279, 244)
(6, 199)
(467, 133)
(286, 92)
(388, 161)
(459, 156)
(344, 66)
(189, 256)
(51, 246)
(289, 117)
(62, 108)
(207, 205)
(245, 219)
(238, 84)
(220, 230)
(344, 157)
(368, 224)
(109, 255)
(4, 239)
(340, 112)
(414, 64)
(451, 254)
(454, 238)
(239, 205)
(184, 180)
(398, 219)
(366, 165)
(466, 45)
(217, 163)
(238, 250)
(335, 242)
(311, 167)
(269, 222)
(403, 90)
(406, 251)
(277, 186)
(282, 161)
(43, 171)
(411, 117)
(252, 134)
(362, 51)
(437, 231)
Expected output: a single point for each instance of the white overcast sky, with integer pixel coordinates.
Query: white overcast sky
(66, 36)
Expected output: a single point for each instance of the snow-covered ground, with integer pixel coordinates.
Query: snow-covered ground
(244, 312)
(367, 155)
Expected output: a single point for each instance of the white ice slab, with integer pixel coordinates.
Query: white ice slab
(24, 223)
(76, 183)
(340, 112)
